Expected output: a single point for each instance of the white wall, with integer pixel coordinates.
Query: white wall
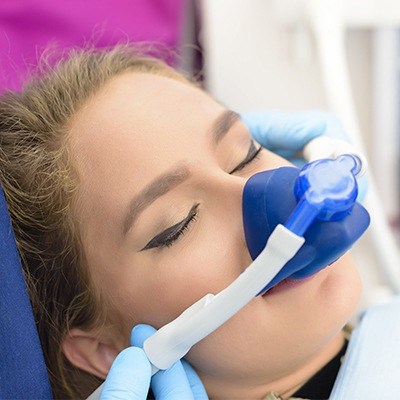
(268, 73)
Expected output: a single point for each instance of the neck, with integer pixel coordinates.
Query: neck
(285, 386)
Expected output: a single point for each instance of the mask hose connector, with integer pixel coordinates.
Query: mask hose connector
(325, 190)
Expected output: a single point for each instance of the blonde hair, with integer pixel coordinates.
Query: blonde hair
(40, 183)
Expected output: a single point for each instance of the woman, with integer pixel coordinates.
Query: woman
(124, 182)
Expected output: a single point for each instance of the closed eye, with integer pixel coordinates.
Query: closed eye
(168, 237)
(251, 156)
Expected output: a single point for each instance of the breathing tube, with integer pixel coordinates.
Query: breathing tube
(296, 222)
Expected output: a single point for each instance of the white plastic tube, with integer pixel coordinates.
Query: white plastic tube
(170, 343)
(173, 341)
(326, 147)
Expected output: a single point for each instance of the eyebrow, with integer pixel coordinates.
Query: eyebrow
(223, 124)
(155, 189)
(164, 183)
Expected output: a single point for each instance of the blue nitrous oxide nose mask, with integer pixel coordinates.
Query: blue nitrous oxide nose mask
(317, 202)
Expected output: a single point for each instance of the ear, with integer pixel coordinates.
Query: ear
(89, 353)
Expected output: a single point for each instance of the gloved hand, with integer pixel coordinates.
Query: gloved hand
(287, 132)
(130, 375)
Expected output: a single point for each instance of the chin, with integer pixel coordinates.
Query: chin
(324, 303)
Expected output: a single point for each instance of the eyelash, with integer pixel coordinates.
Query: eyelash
(169, 241)
(170, 235)
(172, 239)
(252, 157)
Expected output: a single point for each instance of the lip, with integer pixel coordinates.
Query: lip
(288, 284)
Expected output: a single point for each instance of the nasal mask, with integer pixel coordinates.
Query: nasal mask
(296, 222)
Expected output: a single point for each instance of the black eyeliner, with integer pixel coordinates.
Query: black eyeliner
(165, 237)
(171, 234)
(252, 153)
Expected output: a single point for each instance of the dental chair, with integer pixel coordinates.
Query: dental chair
(23, 372)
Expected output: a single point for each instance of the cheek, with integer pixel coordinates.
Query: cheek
(161, 292)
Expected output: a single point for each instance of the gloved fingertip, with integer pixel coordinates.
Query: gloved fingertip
(198, 390)
(129, 376)
(140, 333)
(172, 383)
(298, 162)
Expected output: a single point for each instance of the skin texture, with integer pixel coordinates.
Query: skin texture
(139, 127)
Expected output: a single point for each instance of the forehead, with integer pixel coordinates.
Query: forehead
(145, 108)
(134, 129)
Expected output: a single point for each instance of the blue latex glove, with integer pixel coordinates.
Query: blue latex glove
(130, 375)
(287, 132)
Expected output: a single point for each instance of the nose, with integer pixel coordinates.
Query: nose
(224, 194)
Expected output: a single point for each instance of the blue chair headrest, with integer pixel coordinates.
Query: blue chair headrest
(23, 373)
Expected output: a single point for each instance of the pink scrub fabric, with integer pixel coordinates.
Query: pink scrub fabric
(28, 27)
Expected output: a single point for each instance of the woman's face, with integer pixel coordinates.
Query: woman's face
(162, 168)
